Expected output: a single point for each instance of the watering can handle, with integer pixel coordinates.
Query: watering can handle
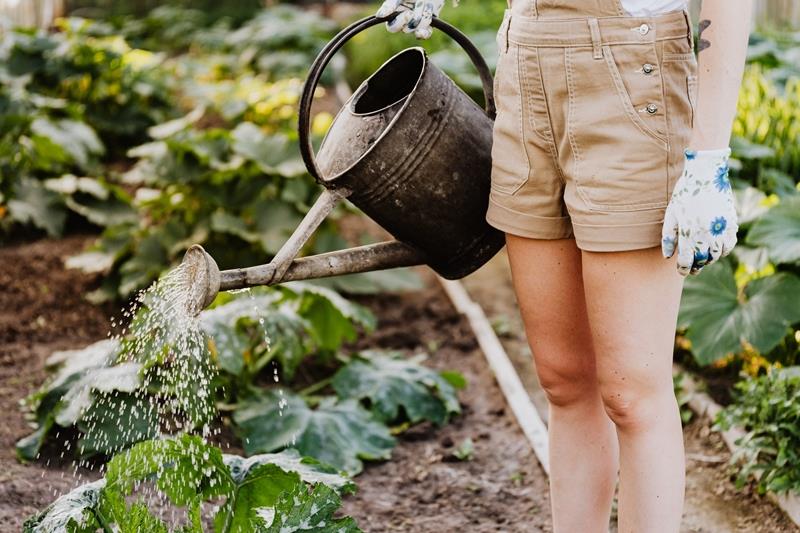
(327, 53)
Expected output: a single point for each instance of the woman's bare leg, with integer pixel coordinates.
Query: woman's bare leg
(632, 302)
(583, 443)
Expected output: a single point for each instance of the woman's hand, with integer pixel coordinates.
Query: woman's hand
(700, 221)
(412, 16)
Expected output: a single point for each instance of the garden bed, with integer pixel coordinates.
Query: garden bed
(423, 488)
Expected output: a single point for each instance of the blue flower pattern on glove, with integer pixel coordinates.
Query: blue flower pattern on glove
(700, 222)
(718, 225)
(721, 181)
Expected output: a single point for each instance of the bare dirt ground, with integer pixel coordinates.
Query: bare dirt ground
(422, 489)
(713, 504)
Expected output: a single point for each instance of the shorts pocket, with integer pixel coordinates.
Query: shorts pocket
(510, 163)
(637, 94)
(620, 159)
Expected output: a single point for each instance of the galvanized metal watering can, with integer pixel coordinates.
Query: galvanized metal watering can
(431, 196)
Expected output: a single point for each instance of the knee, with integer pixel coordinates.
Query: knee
(566, 385)
(634, 409)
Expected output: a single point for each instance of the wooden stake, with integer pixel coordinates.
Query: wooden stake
(514, 391)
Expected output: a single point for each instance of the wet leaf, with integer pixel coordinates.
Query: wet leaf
(72, 512)
(340, 433)
(390, 382)
(304, 510)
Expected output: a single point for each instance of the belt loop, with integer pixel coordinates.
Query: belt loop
(594, 27)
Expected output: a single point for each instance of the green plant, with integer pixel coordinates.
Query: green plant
(722, 315)
(766, 131)
(296, 327)
(767, 408)
(120, 91)
(240, 193)
(264, 493)
(682, 395)
(124, 377)
(367, 51)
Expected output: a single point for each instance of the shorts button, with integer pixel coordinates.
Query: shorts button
(644, 29)
(652, 108)
(647, 68)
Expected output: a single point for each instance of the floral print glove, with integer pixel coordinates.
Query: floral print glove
(700, 221)
(413, 16)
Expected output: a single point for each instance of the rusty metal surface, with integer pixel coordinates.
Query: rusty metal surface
(426, 178)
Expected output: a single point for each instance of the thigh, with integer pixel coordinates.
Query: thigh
(632, 300)
(549, 288)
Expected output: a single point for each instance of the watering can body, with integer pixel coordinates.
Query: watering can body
(415, 153)
(412, 151)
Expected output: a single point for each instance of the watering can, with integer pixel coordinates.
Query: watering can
(431, 196)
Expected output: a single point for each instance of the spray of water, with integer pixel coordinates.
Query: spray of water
(177, 389)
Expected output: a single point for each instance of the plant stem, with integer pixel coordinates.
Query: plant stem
(319, 385)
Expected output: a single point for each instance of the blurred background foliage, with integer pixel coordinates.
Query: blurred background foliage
(160, 124)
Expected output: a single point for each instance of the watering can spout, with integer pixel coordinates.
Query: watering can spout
(206, 280)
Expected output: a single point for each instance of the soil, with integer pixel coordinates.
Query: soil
(423, 488)
(41, 310)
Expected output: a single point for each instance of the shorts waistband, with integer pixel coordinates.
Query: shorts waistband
(587, 31)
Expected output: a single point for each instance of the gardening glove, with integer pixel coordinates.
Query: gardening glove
(700, 221)
(412, 16)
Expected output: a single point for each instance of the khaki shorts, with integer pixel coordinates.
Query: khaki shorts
(593, 115)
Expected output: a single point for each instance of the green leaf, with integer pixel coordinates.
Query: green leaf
(779, 231)
(274, 154)
(260, 485)
(27, 448)
(274, 223)
(260, 480)
(170, 128)
(109, 212)
(240, 327)
(332, 316)
(123, 377)
(754, 259)
(745, 149)
(304, 510)
(138, 519)
(338, 433)
(46, 403)
(309, 469)
(391, 382)
(718, 320)
(465, 450)
(72, 512)
(100, 425)
(766, 408)
(33, 204)
(185, 468)
(76, 138)
(750, 204)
